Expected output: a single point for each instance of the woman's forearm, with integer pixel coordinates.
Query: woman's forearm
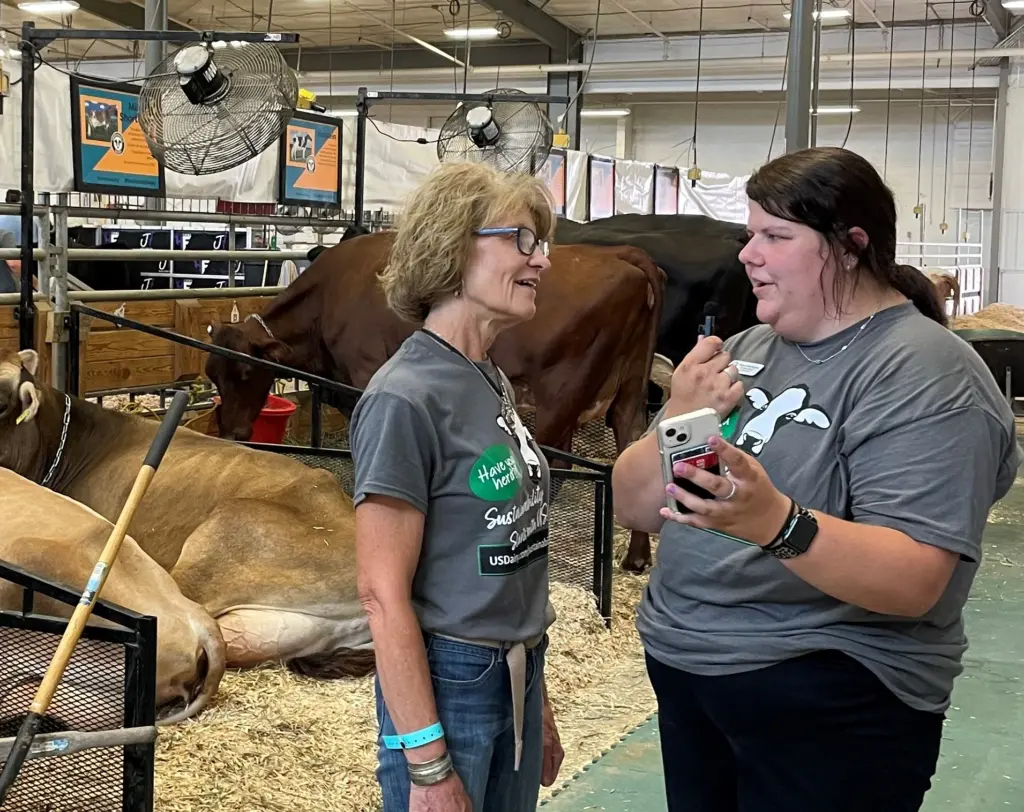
(637, 490)
(403, 671)
(877, 568)
(638, 485)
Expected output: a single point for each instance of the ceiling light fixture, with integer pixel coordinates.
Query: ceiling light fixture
(48, 6)
(471, 33)
(607, 112)
(825, 111)
(826, 13)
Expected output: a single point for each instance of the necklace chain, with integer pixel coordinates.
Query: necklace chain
(841, 349)
(506, 402)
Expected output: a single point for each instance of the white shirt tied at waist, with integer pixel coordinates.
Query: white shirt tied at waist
(516, 661)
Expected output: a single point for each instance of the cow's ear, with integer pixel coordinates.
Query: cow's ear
(272, 350)
(30, 361)
(29, 402)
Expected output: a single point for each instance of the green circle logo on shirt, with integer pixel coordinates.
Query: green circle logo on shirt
(496, 474)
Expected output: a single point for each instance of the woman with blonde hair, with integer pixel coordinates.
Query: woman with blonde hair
(451, 496)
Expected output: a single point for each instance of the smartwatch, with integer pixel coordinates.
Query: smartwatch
(796, 535)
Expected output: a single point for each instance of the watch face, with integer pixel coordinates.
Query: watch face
(800, 536)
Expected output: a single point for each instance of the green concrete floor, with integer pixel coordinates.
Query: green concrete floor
(981, 766)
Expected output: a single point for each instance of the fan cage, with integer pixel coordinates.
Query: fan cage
(524, 142)
(200, 139)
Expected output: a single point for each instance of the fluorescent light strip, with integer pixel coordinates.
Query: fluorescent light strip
(471, 33)
(826, 13)
(48, 6)
(608, 112)
(825, 111)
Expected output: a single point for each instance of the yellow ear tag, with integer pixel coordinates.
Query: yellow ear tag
(21, 418)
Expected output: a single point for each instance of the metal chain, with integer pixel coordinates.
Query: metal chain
(60, 448)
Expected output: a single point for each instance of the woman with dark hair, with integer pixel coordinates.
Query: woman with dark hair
(804, 625)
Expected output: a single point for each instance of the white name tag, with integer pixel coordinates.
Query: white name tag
(747, 368)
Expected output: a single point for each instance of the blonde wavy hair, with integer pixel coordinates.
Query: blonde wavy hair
(435, 231)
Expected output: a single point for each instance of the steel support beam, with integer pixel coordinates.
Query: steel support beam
(560, 38)
(997, 17)
(798, 75)
(126, 15)
(990, 288)
(409, 57)
(156, 20)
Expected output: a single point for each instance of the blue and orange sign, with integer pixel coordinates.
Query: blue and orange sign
(111, 153)
(311, 162)
(553, 174)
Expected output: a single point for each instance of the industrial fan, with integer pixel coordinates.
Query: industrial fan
(205, 110)
(514, 136)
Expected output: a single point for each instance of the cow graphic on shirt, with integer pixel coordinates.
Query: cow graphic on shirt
(520, 433)
(775, 412)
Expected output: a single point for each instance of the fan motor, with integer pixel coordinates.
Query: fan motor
(198, 75)
(482, 128)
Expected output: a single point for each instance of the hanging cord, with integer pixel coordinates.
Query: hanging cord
(949, 115)
(586, 76)
(970, 132)
(778, 109)
(696, 87)
(920, 126)
(853, 61)
(469, 44)
(888, 91)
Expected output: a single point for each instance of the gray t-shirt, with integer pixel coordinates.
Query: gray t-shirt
(9, 282)
(905, 429)
(429, 430)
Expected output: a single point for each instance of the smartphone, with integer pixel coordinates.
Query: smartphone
(684, 438)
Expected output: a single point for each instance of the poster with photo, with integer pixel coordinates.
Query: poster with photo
(309, 172)
(111, 154)
(600, 187)
(666, 190)
(553, 173)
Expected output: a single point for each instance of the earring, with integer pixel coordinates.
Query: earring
(458, 293)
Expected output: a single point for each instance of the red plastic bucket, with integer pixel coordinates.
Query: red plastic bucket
(273, 420)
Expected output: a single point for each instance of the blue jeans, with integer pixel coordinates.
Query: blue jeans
(474, 703)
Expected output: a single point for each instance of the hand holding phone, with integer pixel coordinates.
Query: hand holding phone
(684, 438)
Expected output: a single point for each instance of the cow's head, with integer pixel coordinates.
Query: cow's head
(243, 387)
(23, 418)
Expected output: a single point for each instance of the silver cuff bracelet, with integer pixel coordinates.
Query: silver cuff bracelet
(431, 772)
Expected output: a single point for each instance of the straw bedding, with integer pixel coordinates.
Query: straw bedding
(273, 740)
(997, 316)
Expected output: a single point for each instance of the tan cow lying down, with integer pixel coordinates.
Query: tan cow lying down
(265, 543)
(56, 538)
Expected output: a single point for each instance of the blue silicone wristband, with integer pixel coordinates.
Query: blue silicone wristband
(417, 738)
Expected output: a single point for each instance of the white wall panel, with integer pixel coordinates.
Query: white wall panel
(734, 139)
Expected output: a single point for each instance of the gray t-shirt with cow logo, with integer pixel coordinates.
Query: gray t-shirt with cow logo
(429, 429)
(904, 429)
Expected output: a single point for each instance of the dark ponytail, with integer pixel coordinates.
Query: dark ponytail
(833, 190)
(916, 286)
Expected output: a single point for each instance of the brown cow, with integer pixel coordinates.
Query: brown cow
(54, 537)
(586, 353)
(265, 543)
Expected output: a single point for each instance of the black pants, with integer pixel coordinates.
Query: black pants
(818, 733)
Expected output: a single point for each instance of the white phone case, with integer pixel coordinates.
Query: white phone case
(685, 438)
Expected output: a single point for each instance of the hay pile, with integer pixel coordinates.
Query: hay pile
(996, 316)
(142, 404)
(276, 741)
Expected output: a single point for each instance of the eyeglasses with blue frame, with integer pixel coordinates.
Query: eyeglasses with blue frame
(526, 239)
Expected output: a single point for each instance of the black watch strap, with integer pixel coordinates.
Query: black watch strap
(796, 534)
